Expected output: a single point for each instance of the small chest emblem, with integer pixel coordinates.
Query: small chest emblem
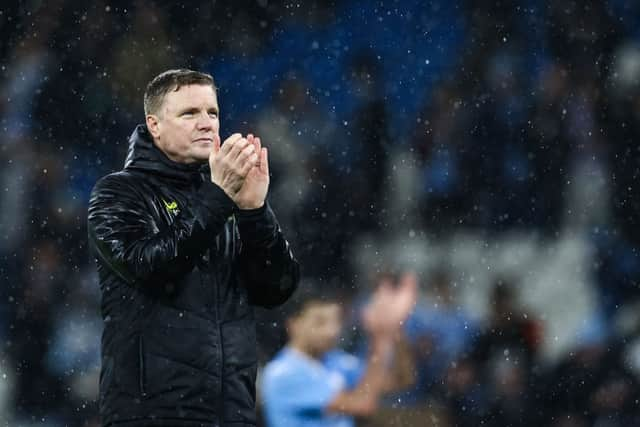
(172, 207)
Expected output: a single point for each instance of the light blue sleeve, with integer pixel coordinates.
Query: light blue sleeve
(293, 392)
(348, 365)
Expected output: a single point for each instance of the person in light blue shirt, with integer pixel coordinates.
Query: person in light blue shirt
(297, 388)
(312, 384)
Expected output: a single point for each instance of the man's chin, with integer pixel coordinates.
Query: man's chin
(201, 155)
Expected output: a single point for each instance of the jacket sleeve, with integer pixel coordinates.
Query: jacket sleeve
(267, 266)
(125, 236)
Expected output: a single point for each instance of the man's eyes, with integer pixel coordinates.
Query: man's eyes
(212, 114)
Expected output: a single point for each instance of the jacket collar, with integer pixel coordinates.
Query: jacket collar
(144, 155)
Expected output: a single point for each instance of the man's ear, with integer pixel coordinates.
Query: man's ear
(153, 124)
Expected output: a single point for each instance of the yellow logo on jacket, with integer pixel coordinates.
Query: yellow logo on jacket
(171, 207)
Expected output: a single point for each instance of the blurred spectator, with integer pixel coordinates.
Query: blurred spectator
(593, 383)
(621, 120)
(31, 61)
(439, 331)
(74, 352)
(495, 384)
(583, 37)
(311, 382)
(439, 141)
(548, 143)
(38, 391)
(130, 75)
(465, 394)
(366, 156)
(511, 333)
(17, 176)
(495, 161)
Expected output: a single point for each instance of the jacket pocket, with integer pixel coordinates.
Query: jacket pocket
(239, 373)
(239, 343)
(126, 367)
(169, 380)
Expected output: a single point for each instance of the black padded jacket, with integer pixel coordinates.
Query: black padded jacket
(180, 269)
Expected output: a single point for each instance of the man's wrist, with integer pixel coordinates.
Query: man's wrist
(250, 207)
(212, 195)
(382, 348)
(257, 226)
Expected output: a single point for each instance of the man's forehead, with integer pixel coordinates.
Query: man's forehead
(191, 95)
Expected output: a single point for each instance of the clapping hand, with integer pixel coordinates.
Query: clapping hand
(256, 183)
(231, 162)
(390, 305)
(241, 168)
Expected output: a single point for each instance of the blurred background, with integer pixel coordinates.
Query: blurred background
(493, 147)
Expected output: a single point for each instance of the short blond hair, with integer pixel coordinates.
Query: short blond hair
(172, 80)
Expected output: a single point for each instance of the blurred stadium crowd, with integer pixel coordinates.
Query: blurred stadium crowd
(492, 148)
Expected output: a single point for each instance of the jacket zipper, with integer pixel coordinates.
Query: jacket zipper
(141, 377)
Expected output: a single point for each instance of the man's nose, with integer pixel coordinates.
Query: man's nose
(204, 121)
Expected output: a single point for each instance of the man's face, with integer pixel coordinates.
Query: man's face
(187, 123)
(319, 326)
